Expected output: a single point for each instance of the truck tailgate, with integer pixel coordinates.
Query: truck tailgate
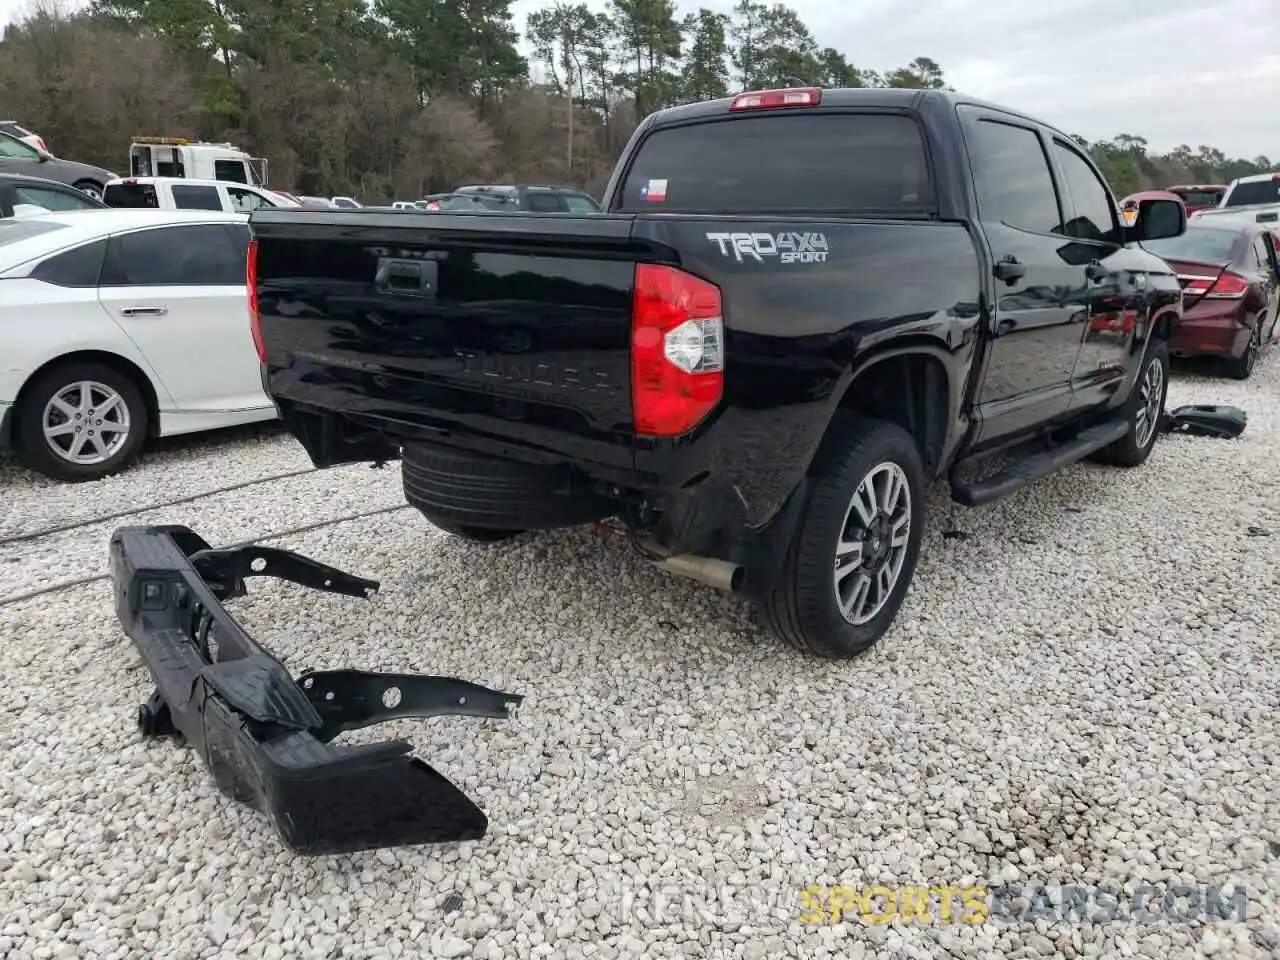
(512, 330)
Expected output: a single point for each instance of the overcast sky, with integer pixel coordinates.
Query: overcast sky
(1093, 67)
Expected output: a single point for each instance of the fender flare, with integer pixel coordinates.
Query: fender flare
(915, 346)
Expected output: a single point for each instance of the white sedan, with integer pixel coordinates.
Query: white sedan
(121, 325)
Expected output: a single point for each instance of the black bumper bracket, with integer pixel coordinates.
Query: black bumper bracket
(266, 738)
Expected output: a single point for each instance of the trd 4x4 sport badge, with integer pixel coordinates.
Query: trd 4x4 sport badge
(788, 247)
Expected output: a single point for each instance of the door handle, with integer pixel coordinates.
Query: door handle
(1096, 272)
(1010, 269)
(143, 311)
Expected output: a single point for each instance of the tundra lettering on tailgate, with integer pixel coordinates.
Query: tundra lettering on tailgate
(789, 247)
(570, 378)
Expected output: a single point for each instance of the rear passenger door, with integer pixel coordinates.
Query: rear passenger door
(178, 293)
(1039, 306)
(1115, 276)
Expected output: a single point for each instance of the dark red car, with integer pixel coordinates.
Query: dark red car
(1230, 275)
(1199, 196)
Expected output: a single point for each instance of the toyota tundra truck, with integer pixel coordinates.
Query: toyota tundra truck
(798, 310)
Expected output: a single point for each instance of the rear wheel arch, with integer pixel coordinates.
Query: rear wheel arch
(114, 360)
(875, 391)
(1163, 323)
(90, 186)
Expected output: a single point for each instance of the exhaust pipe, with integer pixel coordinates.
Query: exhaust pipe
(717, 573)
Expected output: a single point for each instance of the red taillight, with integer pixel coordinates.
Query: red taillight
(677, 350)
(251, 286)
(1228, 286)
(42, 145)
(770, 99)
(433, 205)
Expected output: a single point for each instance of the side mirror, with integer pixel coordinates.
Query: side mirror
(44, 155)
(1155, 220)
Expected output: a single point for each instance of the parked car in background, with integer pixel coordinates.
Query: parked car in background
(1261, 189)
(1257, 196)
(18, 156)
(315, 203)
(15, 129)
(184, 193)
(346, 203)
(29, 196)
(120, 325)
(1229, 271)
(536, 198)
(1199, 197)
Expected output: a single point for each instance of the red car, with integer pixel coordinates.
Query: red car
(1200, 196)
(1229, 269)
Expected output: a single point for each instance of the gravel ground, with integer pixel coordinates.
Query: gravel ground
(1083, 688)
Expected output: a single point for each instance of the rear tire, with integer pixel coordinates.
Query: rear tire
(853, 558)
(90, 188)
(1144, 410)
(1241, 367)
(51, 421)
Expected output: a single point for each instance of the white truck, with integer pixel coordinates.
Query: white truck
(194, 159)
(186, 193)
(1256, 196)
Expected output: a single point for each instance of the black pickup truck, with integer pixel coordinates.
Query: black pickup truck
(798, 310)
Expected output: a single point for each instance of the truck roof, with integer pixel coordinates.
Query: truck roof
(872, 97)
(182, 142)
(191, 182)
(1257, 178)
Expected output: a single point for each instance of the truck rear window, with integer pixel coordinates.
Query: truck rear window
(1254, 191)
(130, 196)
(1200, 198)
(811, 163)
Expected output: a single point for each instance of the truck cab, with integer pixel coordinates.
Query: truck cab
(179, 157)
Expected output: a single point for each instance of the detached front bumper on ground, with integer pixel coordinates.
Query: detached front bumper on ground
(265, 737)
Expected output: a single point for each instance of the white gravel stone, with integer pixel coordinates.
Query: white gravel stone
(1084, 689)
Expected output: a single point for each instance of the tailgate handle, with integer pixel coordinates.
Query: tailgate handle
(406, 278)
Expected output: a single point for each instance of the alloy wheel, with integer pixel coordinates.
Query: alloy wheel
(86, 423)
(873, 541)
(1150, 398)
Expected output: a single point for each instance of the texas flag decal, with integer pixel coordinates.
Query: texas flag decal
(655, 191)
